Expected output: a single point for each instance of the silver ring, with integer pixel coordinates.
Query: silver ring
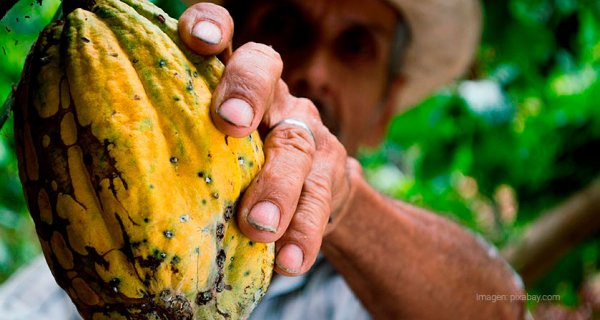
(298, 123)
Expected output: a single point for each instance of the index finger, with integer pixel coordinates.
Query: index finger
(250, 85)
(206, 28)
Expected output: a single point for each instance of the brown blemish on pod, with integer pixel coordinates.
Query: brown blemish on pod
(68, 129)
(65, 95)
(30, 155)
(84, 292)
(44, 206)
(62, 253)
(45, 141)
(204, 297)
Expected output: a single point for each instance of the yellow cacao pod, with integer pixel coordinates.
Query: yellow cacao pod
(131, 187)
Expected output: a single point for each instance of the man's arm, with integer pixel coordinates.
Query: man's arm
(406, 263)
(400, 261)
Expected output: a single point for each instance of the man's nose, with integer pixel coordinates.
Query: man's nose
(311, 76)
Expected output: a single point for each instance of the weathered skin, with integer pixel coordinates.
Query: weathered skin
(131, 187)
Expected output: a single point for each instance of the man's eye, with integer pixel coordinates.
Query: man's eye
(356, 45)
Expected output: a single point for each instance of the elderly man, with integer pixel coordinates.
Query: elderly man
(355, 254)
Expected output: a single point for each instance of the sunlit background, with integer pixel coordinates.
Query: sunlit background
(496, 152)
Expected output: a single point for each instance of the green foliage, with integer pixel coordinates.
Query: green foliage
(18, 31)
(523, 133)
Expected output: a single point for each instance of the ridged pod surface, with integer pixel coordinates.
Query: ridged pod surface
(131, 187)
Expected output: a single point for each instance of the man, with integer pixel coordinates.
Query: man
(359, 62)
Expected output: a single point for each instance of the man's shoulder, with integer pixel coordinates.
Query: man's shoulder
(32, 293)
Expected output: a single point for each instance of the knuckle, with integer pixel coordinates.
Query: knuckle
(291, 139)
(307, 107)
(269, 57)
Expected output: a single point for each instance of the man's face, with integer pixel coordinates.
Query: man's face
(336, 53)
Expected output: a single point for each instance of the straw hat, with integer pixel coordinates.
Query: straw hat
(444, 36)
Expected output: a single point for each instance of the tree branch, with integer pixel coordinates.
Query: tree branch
(555, 232)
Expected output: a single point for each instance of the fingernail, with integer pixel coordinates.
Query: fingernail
(237, 112)
(207, 31)
(290, 258)
(264, 216)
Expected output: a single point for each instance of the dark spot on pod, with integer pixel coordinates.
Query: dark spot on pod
(189, 86)
(228, 212)
(231, 265)
(146, 220)
(220, 285)
(43, 60)
(215, 195)
(161, 18)
(197, 250)
(4, 50)
(227, 287)
(114, 284)
(88, 159)
(203, 201)
(329, 220)
(247, 273)
(113, 54)
(135, 60)
(151, 186)
(227, 140)
(27, 17)
(250, 164)
(7, 29)
(168, 234)
(221, 258)
(163, 255)
(175, 260)
(250, 243)
(209, 155)
(147, 280)
(195, 74)
(135, 244)
(137, 97)
(173, 160)
(184, 218)
(220, 231)
(241, 161)
(176, 98)
(162, 63)
(201, 174)
(203, 298)
(84, 39)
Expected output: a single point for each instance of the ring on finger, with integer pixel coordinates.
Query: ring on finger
(297, 123)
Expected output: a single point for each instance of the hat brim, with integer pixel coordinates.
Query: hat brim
(444, 37)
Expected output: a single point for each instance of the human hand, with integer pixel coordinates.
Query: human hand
(305, 179)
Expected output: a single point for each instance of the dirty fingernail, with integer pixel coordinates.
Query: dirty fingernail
(264, 216)
(290, 258)
(207, 31)
(237, 112)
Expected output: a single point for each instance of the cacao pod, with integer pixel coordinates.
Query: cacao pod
(131, 187)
